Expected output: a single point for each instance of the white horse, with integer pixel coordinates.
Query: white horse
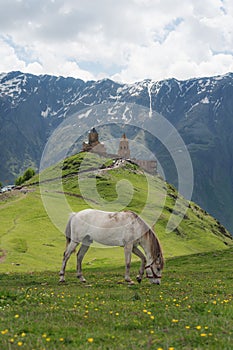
(124, 229)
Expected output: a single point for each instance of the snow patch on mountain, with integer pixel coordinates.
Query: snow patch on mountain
(45, 113)
(85, 115)
(205, 100)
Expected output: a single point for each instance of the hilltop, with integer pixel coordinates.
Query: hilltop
(32, 238)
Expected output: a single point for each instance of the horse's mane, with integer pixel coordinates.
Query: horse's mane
(156, 249)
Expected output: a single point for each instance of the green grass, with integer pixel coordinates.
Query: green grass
(191, 309)
(31, 242)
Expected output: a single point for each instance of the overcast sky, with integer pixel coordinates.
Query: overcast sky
(125, 40)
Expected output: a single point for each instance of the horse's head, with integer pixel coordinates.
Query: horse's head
(154, 270)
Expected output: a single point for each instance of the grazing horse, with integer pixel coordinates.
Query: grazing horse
(125, 229)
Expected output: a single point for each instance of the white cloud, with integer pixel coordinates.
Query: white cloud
(126, 40)
(9, 61)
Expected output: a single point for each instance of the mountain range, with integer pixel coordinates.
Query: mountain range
(201, 110)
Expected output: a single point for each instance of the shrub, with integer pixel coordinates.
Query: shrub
(28, 174)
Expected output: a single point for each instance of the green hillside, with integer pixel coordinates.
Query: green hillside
(33, 220)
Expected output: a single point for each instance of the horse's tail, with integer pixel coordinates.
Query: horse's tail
(68, 229)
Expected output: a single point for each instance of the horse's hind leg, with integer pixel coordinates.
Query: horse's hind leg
(80, 255)
(138, 252)
(69, 250)
(128, 250)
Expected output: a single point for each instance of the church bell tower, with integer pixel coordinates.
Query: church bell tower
(124, 151)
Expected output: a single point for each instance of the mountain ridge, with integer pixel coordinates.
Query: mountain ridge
(31, 107)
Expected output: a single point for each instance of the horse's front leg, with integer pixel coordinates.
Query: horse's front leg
(128, 250)
(82, 251)
(69, 250)
(138, 252)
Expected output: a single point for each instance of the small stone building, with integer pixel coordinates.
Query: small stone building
(149, 165)
(93, 144)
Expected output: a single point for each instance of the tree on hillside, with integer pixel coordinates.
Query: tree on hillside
(19, 181)
(28, 174)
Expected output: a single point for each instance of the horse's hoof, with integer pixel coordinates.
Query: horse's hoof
(131, 283)
(81, 279)
(139, 279)
(62, 281)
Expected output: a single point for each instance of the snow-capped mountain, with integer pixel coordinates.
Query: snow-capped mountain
(200, 109)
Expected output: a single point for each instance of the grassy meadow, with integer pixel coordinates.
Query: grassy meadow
(192, 309)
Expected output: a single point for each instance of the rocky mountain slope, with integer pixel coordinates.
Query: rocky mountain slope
(200, 109)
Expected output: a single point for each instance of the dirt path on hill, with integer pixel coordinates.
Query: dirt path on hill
(73, 195)
(18, 197)
(15, 195)
(3, 256)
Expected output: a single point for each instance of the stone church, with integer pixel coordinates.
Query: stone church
(93, 145)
